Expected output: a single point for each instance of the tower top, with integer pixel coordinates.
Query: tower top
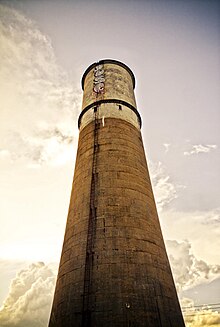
(109, 82)
(107, 61)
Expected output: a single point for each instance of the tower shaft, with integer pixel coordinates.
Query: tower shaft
(114, 269)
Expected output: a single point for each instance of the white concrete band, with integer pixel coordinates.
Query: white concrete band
(110, 110)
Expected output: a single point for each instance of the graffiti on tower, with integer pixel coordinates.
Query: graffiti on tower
(99, 79)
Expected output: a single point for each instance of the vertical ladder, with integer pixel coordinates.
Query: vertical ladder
(86, 314)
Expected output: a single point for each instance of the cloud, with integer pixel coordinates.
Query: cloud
(199, 148)
(39, 104)
(29, 300)
(201, 228)
(204, 293)
(48, 144)
(8, 270)
(210, 218)
(164, 190)
(187, 269)
(167, 147)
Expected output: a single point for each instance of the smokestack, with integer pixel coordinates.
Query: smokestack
(114, 269)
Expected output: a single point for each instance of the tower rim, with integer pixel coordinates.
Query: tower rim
(107, 61)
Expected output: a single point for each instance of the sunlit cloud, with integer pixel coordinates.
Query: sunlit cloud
(211, 218)
(199, 148)
(39, 104)
(200, 228)
(165, 190)
(29, 300)
(188, 270)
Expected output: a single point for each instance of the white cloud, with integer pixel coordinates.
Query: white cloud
(8, 270)
(164, 190)
(210, 218)
(187, 269)
(29, 300)
(167, 147)
(199, 148)
(201, 228)
(39, 104)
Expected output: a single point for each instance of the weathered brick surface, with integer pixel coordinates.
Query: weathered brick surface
(118, 85)
(130, 281)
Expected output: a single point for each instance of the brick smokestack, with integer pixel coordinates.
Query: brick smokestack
(114, 269)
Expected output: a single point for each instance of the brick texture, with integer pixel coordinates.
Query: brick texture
(114, 269)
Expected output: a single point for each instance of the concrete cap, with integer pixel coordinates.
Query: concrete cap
(107, 61)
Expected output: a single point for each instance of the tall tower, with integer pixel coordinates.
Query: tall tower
(114, 270)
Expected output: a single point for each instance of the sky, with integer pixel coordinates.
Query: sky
(173, 49)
